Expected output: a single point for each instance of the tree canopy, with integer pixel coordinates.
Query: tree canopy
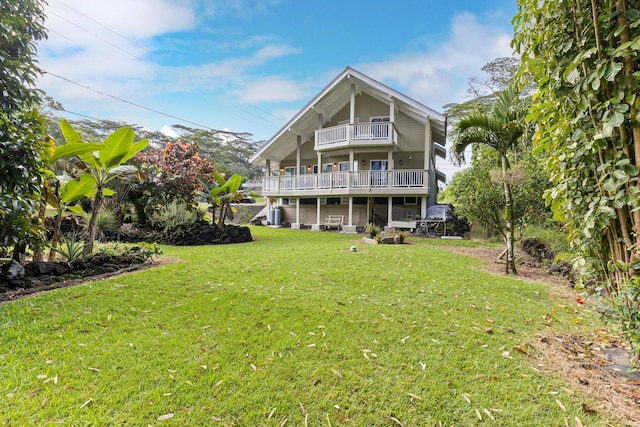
(22, 129)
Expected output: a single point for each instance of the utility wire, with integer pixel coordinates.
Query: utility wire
(95, 35)
(236, 134)
(103, 26)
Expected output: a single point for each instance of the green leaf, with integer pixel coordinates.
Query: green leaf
(572, 75)
(117, 146)
(620, 175)
(72, 149)
(91, 160)
(75, 190)
(234, 183)
(69, 133)
(612, 70)
(135, 149)
(615, 120)
(76, 209)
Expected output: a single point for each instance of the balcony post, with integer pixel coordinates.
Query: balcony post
(297, 174)
(350, 171)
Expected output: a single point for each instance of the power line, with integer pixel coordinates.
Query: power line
(95, 35)
(103, 26)
(153, 110)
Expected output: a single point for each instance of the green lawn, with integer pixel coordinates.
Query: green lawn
(292, 329)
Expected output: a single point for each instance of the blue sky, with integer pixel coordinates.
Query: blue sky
(249, 65)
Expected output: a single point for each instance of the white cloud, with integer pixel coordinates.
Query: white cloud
(440, 75)
(168, 131)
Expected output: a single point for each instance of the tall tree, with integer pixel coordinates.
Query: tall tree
(500, 130)
(22, 128)
(583, 55)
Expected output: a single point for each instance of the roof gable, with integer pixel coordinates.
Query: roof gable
(332, 99)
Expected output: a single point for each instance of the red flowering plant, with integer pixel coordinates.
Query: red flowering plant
(169, 174)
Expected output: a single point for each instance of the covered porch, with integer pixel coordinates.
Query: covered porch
(354, 212)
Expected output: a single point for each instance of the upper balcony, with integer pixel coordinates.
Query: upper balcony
(379, 134)
(403, 181)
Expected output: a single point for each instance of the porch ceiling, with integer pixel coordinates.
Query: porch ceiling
(330, 101)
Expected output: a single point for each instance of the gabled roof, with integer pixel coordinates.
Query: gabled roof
(331, 100)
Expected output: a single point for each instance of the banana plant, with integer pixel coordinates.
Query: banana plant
(221, 195)
(54, 159)
(68, 191)
(104, 164)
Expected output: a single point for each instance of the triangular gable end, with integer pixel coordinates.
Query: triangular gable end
(331, 100)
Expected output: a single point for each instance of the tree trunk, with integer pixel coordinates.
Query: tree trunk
(93, 223)
(38, 254)
(57, 237)
(508, 218)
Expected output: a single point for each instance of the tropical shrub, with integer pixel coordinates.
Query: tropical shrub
(174, 216)
(172, 173)
(584, 55)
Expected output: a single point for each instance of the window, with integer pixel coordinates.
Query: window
(343, 166)
(410, 200)
(290, 171)
(327, 167)
(303, 170)
(315, 169)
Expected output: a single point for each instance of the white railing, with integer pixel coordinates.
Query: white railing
(347, 180)
(371, 131)
(306, 182)
(331, 135)
(359, 132)
(409, 178)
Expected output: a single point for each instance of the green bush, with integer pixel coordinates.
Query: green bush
(107, 222)
(174, 216)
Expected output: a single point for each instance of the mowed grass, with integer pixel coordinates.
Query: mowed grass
(292, 329)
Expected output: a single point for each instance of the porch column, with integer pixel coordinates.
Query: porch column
(392, 111)
(268, 199)
(350, 228)
(350, 171)
(352, 104)
(423, 207)
(296, 225)
(429, 165)
(317, 226)
(428, 145)
(298, 146)
(389, 210)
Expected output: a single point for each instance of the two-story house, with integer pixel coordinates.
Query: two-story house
(358, 150)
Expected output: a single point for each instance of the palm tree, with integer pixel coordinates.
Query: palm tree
(500, 130)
